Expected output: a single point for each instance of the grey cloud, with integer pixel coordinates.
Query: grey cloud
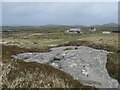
(59, 13)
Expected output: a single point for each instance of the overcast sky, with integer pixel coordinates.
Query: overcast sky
(68, 13)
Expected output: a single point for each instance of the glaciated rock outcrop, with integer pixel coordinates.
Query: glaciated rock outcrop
(83, 63)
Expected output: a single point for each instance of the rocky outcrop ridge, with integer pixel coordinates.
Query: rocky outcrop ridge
(83, 63)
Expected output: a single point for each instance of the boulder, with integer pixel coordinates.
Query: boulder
(85, 64)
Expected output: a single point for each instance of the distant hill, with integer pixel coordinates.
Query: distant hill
(106, 25)
(56, 28)
(110, 25)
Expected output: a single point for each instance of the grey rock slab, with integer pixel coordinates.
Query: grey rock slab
(85, 64)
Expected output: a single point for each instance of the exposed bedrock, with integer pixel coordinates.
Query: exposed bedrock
(85, 64)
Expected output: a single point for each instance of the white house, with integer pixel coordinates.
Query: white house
(93, 29)
(106, 32)
(73, 31)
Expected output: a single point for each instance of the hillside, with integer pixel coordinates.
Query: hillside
(56, 28)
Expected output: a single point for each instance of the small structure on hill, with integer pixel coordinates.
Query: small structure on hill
(93, 29)
(73, 31)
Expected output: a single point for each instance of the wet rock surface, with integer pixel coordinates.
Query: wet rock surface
(85, 64)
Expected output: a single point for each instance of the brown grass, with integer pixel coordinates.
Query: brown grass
(110, 40)
(90, 44)
(113, 65)
(38, 75)
(7, 51)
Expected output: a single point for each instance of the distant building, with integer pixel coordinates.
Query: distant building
(93, 29)
(116, 31)
(106, 32)
(73, 31)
